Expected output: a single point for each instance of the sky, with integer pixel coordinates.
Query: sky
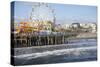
(65, 13)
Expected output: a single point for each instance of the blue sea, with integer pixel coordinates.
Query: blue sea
(77, 50)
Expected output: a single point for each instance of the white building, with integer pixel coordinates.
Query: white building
(75, 25)
(66, 26)
(90, 26)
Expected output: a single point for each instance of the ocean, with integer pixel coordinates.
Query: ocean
(77, 50)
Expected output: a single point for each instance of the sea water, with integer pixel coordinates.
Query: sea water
(77, 50)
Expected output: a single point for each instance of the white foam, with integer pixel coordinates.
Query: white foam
(75, 51)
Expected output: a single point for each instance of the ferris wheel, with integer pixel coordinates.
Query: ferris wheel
(42, 12)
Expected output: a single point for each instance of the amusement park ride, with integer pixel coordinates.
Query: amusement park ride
(42, 17)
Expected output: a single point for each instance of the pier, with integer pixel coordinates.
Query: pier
(31, 39)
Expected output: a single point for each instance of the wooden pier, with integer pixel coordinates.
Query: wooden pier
(28, 40)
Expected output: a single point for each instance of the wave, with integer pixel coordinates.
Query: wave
(72, 51)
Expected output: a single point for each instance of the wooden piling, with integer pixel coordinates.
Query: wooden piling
(29, 40)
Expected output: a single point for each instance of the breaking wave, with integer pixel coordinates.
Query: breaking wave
(86, 51)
